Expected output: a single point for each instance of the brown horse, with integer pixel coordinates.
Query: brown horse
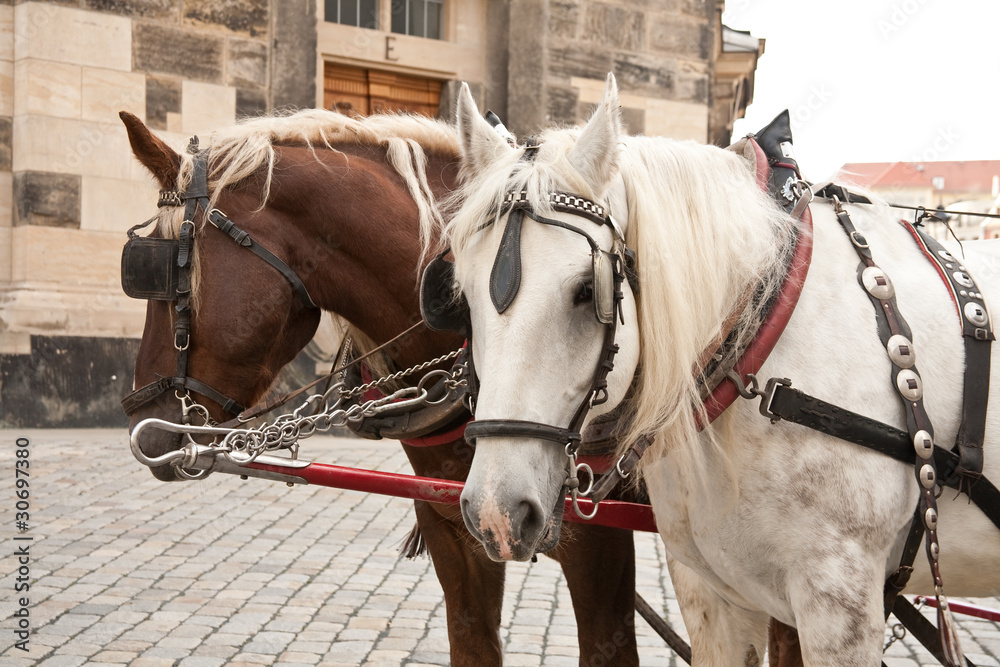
(347, 204)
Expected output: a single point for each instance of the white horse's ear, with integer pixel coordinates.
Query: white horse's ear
(745, 149)
(480, 143)
(595, 154)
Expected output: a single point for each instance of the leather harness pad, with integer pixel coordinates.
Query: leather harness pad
(149, 268)
(441, 307)
(783, 167)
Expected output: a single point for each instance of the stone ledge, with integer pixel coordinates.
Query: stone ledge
(51, 309)
(67, 381)
(15, 342)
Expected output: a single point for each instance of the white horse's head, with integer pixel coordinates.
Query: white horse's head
(541, 279)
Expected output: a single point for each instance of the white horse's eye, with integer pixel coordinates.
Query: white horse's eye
(585, 294)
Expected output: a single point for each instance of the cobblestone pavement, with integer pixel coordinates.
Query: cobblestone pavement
(128, 570)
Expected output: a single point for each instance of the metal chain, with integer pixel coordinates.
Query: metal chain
(321, 412)
(361, 389)
(899, 630)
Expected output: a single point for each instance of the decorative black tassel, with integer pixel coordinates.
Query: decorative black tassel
(413, 544)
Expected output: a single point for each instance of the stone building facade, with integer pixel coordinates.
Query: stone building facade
(69, 186)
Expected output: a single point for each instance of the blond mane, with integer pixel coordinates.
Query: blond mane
(704, 233)
(239, 151)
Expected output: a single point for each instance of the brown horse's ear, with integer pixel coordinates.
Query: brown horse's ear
(152, 152)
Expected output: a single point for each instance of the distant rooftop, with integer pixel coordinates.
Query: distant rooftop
(962, 176)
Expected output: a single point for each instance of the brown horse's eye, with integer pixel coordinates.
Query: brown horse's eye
(584, 295)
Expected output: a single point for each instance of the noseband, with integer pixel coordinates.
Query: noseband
(610, 270)
(160, 269)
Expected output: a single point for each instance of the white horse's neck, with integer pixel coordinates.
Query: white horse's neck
(705, 235)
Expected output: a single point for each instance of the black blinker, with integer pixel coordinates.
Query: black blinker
(149, 268)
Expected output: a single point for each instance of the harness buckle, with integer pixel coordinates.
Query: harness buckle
(767, 397)
(859, 240)
(618, 466)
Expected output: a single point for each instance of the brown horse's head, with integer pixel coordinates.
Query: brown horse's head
(247, 322)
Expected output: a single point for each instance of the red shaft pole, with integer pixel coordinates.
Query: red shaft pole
(613, 513)
(962, 608)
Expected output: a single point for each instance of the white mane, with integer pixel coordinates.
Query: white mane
(704, 233)
(239, 151)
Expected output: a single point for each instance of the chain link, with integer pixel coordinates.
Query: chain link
(899, 630)
(321, 412)
(380, 382)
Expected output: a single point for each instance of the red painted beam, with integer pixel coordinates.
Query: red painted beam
(962, 608)
(613, 513)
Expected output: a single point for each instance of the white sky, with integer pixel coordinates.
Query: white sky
(876, 80)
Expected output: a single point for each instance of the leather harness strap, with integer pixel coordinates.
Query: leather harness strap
(780, 401)
(977, 335)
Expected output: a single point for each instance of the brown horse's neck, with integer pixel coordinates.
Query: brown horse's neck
(353, 237)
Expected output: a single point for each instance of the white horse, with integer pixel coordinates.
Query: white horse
(762, 519)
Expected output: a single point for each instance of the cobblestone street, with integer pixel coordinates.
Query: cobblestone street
(128, 570)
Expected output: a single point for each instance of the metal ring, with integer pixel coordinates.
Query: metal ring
(590, 475)
(579, 512)
(434, 374)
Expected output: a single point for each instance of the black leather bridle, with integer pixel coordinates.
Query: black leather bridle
(622, 266)
(195, 196)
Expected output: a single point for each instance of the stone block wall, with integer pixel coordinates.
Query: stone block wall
(69, 186)
(561, 51)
